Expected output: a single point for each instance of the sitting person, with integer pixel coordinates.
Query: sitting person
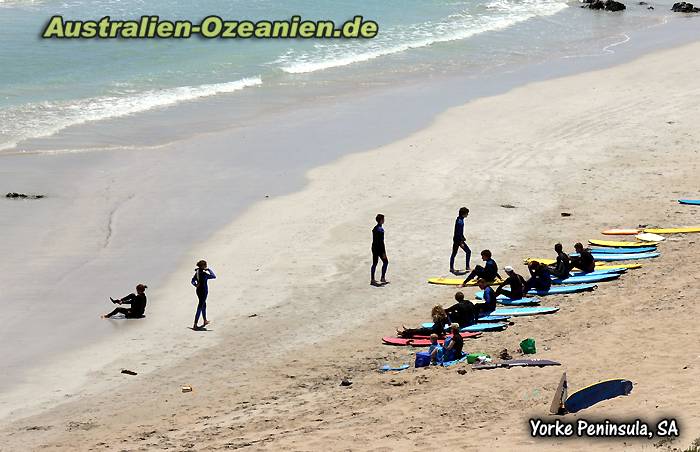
(439, 323)
(585, 260)
(489, 271)
(464, 312)
(540, 278)
(436, 351)
(516, 284)
(562, 267)
(489, 303)
(137, 302)
(454, 344)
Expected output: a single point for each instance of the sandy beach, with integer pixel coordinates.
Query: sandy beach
(293, 313)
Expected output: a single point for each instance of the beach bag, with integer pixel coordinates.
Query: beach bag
(528, 346)
(422, 359)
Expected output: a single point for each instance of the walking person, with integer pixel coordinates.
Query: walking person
(459, 241)
(202, 275)
(379, 251)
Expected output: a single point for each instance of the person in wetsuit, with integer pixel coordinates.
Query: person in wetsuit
(489, 271)
(136, 302)
(459, 241)
(540, 278)
(562, 267)
(463, 312)
(379, 251)
(439, 323)
(453, 349)
(585, 260)
(200, 280)
(516, 284)
(489, 298)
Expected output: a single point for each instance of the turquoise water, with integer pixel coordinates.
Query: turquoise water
(47, 86)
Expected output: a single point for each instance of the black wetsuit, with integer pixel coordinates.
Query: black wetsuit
(517, 287)
(489, 271)
(489, 300)
(584, 261)
(201, 281)
(459, 241)
(456, 351)
(437, 328)
(563, 266)
(137, 308)
(378, 250)
(540, 279)
(464, 313)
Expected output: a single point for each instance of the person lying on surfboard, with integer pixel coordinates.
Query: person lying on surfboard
(489, 271)
(459, 241)
(378, 251)
(516, 284)
(463, 312)
(540, 277)
(453, 345)
(489, 303)
(562, 267)
(584, 261)
(439, 323)
(136, 301)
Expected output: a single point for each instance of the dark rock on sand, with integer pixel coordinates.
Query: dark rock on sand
(607, 5)
(13, 195)
(345, 382)
(683, 7)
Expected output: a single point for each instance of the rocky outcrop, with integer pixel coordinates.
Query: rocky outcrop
(684, 7)
(607, 5)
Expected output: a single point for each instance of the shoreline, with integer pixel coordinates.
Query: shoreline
(405, 187)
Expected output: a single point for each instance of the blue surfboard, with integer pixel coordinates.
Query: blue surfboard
(388, 368)
(518, 302)
(590, 278)
(590, 395)
(640, 249)
(492, 318)
(554, 290)
(479, 327)
(619, 270)
(525, 311)
(694, 202)
(624, 257)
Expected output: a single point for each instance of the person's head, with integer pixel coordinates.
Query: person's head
(438, 313)
(379, 218)
(202, 264)
(463, 212)
(578, 247)
(459, 296)
(486, 255)
(558, 248)
(532, 265)
(481, 282)
(141, 288)
(509, 270)
(433, 338)
(455, 328)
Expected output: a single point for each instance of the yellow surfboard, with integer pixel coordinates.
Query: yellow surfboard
(625, 244)
(598, 265)
(458, 281)
(673, 230)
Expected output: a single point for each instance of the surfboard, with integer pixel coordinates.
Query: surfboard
(557, 406)
(517, 363)
(590, 278)
(554, 290)
(420, 341)
(673, 230)
(388, 368)
(479, 327)
(619, 270)
(621, 244)
(694, 202)
(598, 265)
(590, 395)
(614, 250)
(621, 231)
(525, 311)
(459, 281)
(625, 256)
(518, 302)
(647, 237)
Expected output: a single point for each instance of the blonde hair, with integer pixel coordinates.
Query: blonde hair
(433, 337)
(454, 326)
(438, 313)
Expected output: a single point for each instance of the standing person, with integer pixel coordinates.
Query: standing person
(459, 241)
(379, 251)
(136, 301)
(515, 282)
(562, 267)
(489, 271)
(585, 260)
(202, 275)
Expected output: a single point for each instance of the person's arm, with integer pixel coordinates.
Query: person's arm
(211, 274)
(128, 299)
(194, 279)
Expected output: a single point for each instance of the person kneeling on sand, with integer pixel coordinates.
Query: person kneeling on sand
(489, 303)
(436, 351)
(463, 312)
(489, 271)
(136, 301)
(454, 344)
(562, 267)
(585, 260)
(540, 278)
(516, 284)
(439, 323)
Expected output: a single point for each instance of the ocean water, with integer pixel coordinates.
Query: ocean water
(47, 86)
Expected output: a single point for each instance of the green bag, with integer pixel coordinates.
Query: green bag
(472, 357)
(528, 346)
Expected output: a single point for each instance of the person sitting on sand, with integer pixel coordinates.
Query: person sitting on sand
(516, 284)
(454, 344)
(136, 301)
(459, 241)
(436, 351)
(378, 251)
(202, 275)
(584, 261)
(489, 298)
(439, 323)
(562, 267)
(489, 271)
(540, 277)
(463, 312)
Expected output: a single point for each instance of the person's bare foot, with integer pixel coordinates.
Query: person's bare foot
(104, 316)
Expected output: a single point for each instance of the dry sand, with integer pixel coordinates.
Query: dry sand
(614, 147)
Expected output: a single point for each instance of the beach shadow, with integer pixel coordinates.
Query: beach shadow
(459, 272)
(200, 329)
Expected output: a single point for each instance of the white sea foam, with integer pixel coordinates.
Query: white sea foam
(46, 118)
